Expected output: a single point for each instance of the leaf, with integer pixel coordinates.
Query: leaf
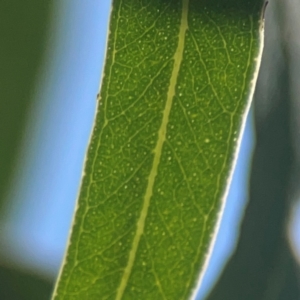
(175, 93)
(263, 266)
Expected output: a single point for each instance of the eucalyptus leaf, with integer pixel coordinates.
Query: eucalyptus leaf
(177, 84)
(263, 265)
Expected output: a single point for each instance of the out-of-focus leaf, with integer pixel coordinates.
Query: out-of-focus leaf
(23, 32)
(20, 285)
(23, 28)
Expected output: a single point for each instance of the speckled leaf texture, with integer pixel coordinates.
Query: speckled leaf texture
(177, 84)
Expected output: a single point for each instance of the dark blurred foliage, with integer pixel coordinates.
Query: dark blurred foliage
(23, 32)
(263, 266)
(20, 285)
(23, 28)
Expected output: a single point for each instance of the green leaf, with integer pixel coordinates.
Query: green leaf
(177, 86)
(263, 265)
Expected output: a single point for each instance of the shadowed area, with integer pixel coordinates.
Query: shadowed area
(23, 28)
(21, 285)
(23, 31)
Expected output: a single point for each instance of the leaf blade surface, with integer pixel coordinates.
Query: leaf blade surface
(173, 101)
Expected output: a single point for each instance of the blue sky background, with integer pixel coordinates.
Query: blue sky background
(56, 138)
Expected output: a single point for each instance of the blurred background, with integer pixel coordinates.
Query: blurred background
(51, 58)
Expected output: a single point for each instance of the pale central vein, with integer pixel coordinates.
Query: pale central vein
(178, 56)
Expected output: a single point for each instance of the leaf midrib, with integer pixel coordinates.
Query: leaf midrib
(178, 57)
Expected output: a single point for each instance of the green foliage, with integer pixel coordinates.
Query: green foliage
(175, 93)
(149, 41)
(23, 27)
(263, 265)
(20, 285)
